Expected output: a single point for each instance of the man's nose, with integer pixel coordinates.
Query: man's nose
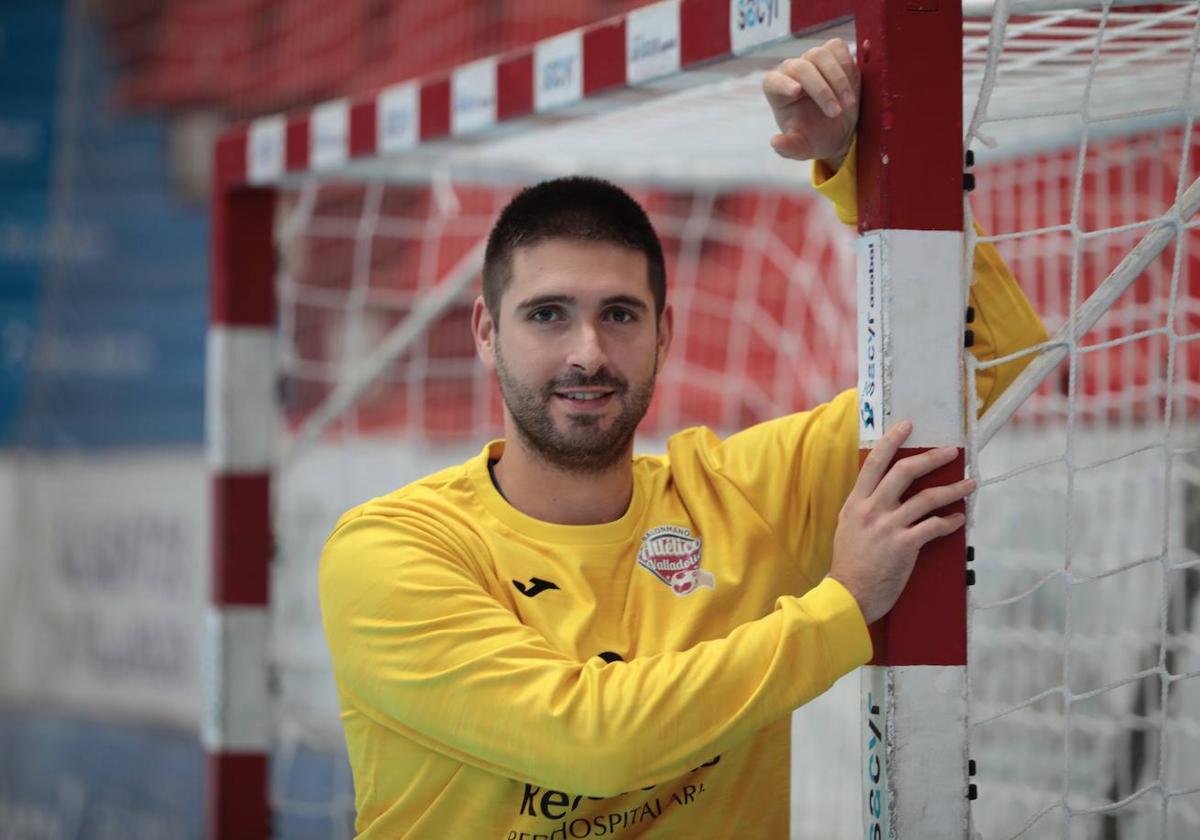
(586, 353)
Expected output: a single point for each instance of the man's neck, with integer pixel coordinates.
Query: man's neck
(545, 492)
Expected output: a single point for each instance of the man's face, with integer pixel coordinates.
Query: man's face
(575, 347)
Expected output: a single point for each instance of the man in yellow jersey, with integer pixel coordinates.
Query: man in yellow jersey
(559, 639)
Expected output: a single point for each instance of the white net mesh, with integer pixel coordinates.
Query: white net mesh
(1084, 675)
(1084, 654)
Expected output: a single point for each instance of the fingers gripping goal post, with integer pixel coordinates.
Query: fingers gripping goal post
(346, 252)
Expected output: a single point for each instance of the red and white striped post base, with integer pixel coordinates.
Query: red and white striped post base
(911, 306)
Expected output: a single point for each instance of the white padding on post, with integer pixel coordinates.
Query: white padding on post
(398, 118)
(914, 748)
(236, 712)
(239, 404)
(558, 70)
(266, 149)
(473, 96)
(911, 307)
(652, 42)
(329, 134)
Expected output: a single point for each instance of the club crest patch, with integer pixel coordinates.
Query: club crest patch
(672, 555)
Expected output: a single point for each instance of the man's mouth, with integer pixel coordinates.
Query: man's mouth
(585, 398)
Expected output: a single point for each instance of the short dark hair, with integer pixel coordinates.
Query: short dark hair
(579, 208)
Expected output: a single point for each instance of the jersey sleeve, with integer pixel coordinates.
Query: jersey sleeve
(419, 646)
(797, 470)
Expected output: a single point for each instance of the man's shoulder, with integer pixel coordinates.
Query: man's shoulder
(665, 456)
(699, 448)
(432, 498)
(690, 448)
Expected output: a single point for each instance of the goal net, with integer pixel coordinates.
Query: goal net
(1084, 654)
(1084, 662)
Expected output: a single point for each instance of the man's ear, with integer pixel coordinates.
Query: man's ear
(666, 327)
(483, 329)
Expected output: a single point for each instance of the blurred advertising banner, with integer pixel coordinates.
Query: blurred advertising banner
(110, 618)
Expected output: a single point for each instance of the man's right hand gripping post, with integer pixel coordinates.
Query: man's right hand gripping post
(878, 535)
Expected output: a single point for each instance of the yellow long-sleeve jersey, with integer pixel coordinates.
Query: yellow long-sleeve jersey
(502, 677)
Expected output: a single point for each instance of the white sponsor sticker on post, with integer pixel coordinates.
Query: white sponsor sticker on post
(265, 149)
(876, 703)
(234, 716)
(238, 376)
(558, 71)
(473, 96)
(652, 42)
(397, 118)
(925, 299)
(754, 22)
(914, 751)
(870, 256)
(329, 134)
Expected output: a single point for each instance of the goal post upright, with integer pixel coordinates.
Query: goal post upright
(911, 310)
(235, 729)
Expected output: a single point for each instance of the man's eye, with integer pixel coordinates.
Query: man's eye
(622, 316)
(543, 315)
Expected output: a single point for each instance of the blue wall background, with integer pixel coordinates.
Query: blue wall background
(68, 778)
(103, 268)
(30, 42)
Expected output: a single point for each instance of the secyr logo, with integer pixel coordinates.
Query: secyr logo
(867, 415)
(871, 335)
(874, 771)
(558, 73)
(756, 13)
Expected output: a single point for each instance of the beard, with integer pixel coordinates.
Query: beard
(586, 446)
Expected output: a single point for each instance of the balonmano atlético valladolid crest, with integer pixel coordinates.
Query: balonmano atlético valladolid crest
(672, 555)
